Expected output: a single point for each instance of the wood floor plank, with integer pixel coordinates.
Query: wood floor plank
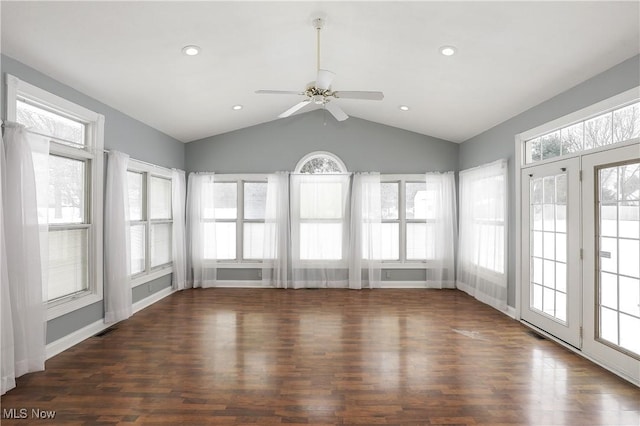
(323, 357)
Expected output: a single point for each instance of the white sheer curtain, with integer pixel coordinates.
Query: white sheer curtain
(482, 268)
(179, 246)
(23, 275)
(441, 188)
(117, 258)
(201, 230)
(275, 272)
(319, 230)
(365, 242)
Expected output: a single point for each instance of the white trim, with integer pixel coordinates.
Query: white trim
(78, 336)
(239, 284)
(47, 99)
(72, 339)
(143, 167)
(235, 177)
(582, 354)
(403, 284)
(153, 275)
(511, 312)
(316, 154)
(583, 114)
(150, 300)
(94, 139)
(72, 303)
(238, 265)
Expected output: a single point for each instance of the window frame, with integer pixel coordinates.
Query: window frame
(318, 154)
(402, 179)
(149, 171)
(92, 154)
(239, 180)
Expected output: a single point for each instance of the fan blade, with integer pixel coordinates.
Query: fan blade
(278, 92)
(336, 111)
(324, 79)
(373, 96)
(295, 108)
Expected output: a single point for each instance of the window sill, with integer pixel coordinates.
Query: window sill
(238, 265)
(153, 275)
(65, 306)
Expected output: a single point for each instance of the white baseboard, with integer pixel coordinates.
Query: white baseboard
(239, 284)
(148, 301)
(72, 339)
(403, 284)
(510, 312)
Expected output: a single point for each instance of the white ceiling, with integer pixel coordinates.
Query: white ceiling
(511, 56)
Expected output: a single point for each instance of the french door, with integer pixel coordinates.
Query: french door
(611, 234)
(551, 276)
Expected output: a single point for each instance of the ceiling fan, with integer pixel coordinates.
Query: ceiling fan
(319, 92)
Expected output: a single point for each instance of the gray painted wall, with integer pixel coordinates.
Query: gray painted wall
(499, 141)
(122, 133)
(280, 144)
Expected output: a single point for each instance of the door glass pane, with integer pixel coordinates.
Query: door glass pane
(548, 227)
(619, 255)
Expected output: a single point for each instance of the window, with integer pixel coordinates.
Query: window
(320, 162)
(408, 218)
(151, 222)
(75, 173)
(320, 197)
(234, 213)
(616, 126)
(482, 217)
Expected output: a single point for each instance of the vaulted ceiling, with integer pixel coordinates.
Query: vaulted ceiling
(510, 56)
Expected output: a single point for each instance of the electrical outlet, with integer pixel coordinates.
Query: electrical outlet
(259, 273)
(149, 288)
(387, 274)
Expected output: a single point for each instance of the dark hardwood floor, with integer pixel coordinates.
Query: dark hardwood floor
(265, 356)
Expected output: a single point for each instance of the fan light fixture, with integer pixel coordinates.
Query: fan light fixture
(191, 50)
(448, 50)
(320, 92)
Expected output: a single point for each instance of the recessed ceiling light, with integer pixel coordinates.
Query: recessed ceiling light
(448, 50)
(236, 107)
(191, 50)
(403, 108)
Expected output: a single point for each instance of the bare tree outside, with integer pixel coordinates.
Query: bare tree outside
(617, 126)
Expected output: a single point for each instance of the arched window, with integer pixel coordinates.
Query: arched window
(320, 162)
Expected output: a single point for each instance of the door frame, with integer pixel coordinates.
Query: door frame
(624, 365)
(570, 333)
(625, 97)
